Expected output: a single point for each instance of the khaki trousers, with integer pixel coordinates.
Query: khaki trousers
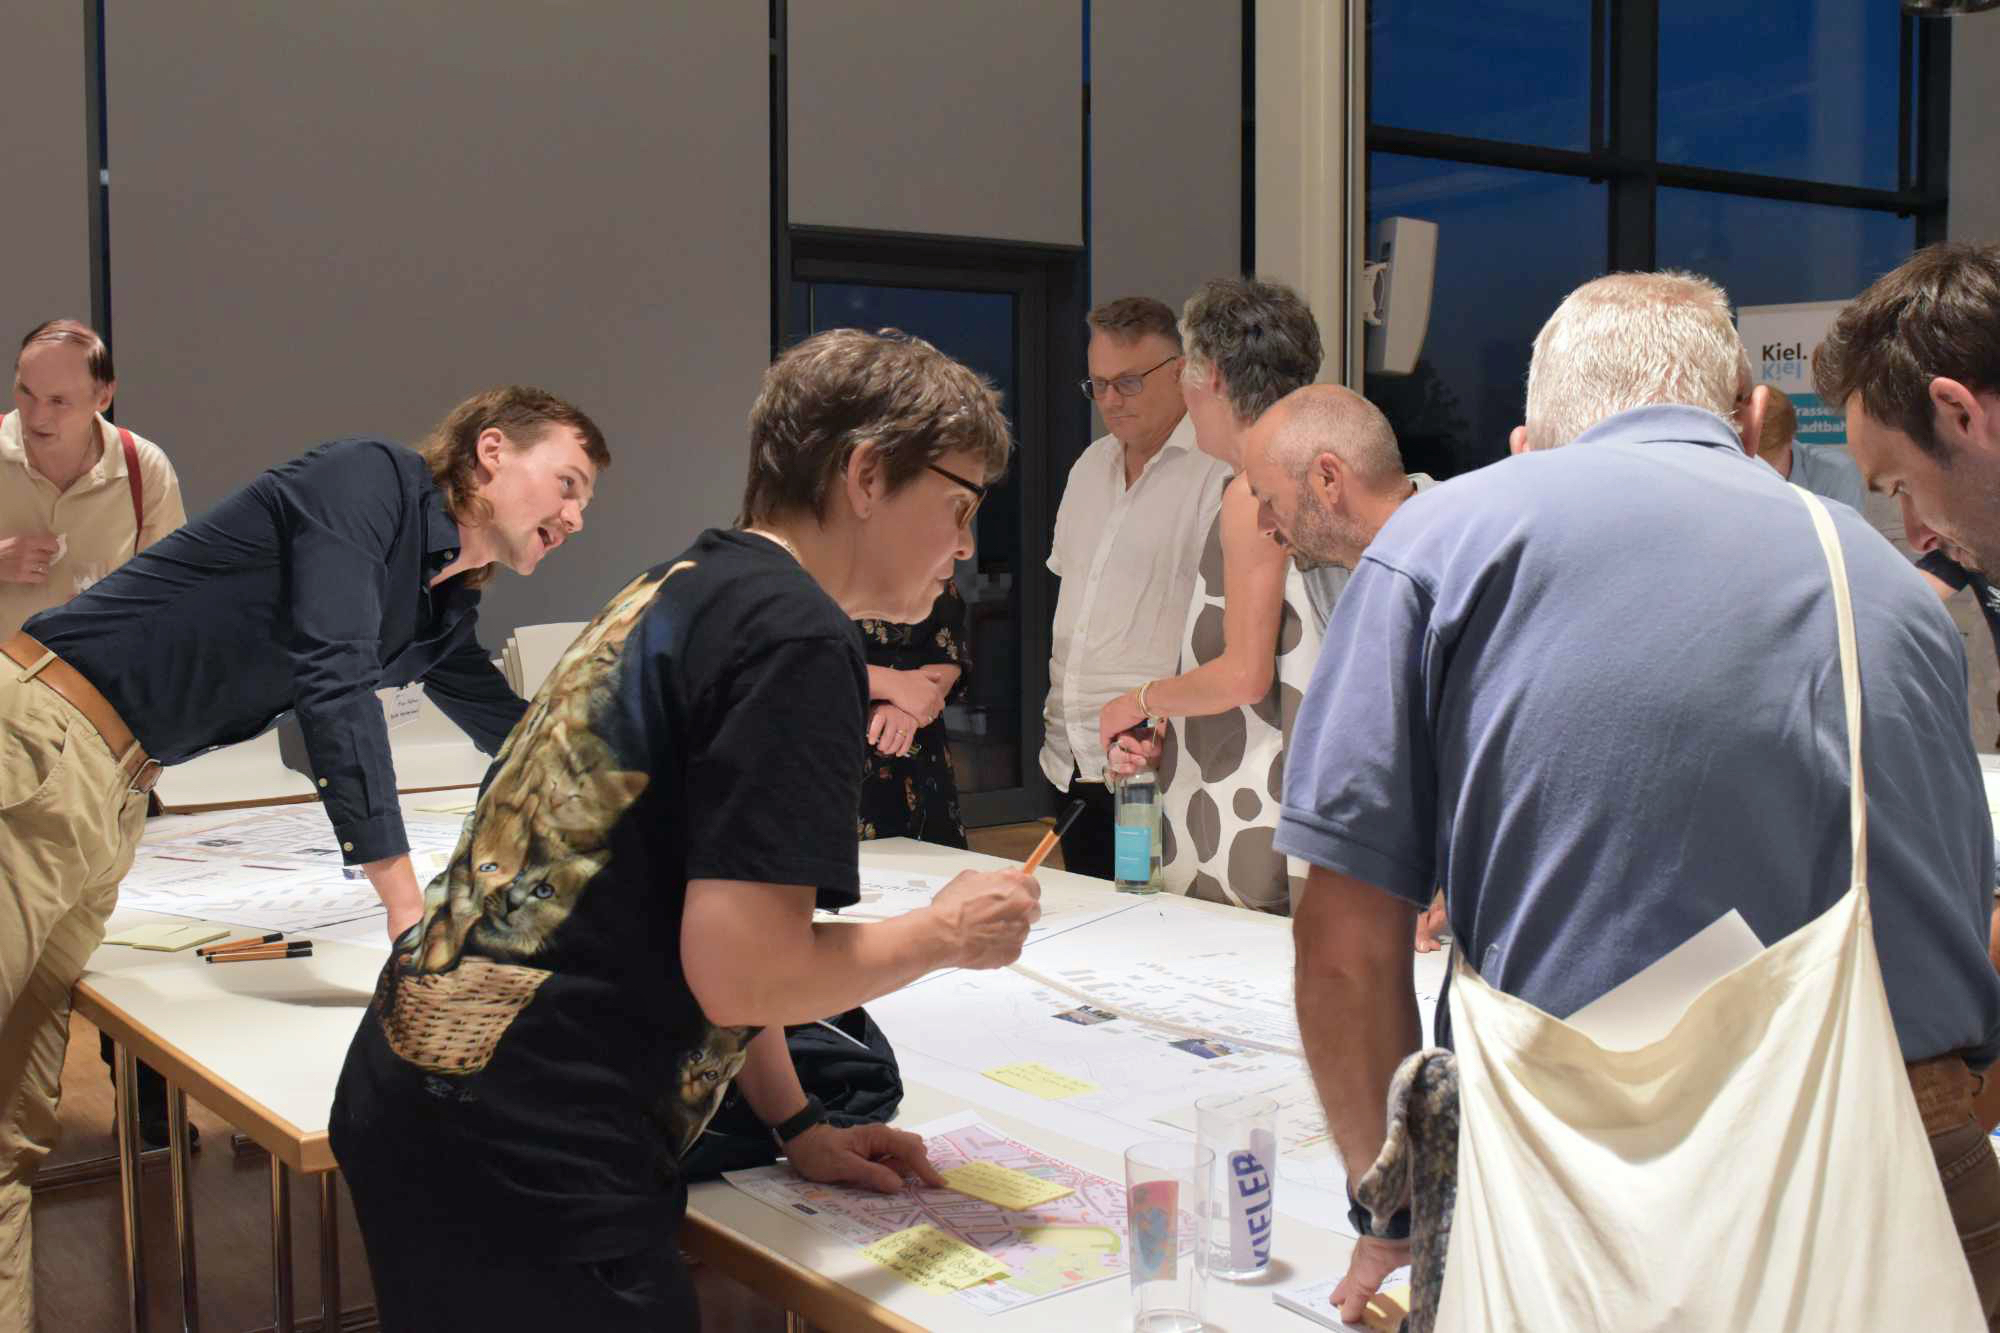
(68, 827)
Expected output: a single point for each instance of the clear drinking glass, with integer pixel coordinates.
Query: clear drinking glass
(1166, 1200)
(1241, 1133)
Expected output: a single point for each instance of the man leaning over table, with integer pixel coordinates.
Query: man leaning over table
(1593, 786)
(1127, 544)
(72, 509)
(351, 568)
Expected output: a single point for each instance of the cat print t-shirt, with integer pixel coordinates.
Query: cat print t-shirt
(533, 1064)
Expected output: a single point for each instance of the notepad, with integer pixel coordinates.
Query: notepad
(1384, 1313)
(1041, 1080)
(168, 936)
(1004, 1186)
(934, 1260)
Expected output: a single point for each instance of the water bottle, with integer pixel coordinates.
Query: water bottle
(1135, 834)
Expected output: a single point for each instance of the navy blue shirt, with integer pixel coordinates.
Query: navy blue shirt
(305, 591)
(1594, 692)
(1948, 571)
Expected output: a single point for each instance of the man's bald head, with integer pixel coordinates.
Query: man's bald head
(1326, 471)
(1328, 419)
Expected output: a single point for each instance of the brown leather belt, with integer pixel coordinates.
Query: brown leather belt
(26, 652)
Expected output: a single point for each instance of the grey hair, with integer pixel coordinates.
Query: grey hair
(1633, 340)
(1261, 337)
(1328, 419)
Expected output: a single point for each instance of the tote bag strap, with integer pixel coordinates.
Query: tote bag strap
(1850, 678)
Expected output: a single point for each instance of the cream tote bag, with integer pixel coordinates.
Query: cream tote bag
(1761, 1167)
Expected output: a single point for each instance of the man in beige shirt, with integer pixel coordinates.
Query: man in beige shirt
(69, 513)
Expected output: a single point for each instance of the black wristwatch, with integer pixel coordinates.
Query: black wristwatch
(813, 1114)
(1363, 1221)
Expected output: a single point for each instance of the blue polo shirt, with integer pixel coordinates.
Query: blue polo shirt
(1594, 693)
(1825, 469)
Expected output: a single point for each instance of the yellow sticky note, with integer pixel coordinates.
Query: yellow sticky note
(1011, 1189)
(935, 1260)
(168, 936)
(1040, 1080)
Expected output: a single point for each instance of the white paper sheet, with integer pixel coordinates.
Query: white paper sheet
(1645, 1007)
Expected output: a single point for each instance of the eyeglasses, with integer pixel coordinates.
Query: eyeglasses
(978, 491)
(1128, 386)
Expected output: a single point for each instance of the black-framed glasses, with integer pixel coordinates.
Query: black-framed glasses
(1127, 385)
(978, 489)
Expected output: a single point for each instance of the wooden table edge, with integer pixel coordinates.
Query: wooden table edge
(824, 1303)
(297, 1149)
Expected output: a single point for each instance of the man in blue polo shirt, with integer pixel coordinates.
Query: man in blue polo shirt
(1593, 692)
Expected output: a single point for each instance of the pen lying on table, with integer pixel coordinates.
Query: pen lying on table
(290, 949)
(247, 942)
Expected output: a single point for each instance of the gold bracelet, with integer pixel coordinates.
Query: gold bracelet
(1143, 708)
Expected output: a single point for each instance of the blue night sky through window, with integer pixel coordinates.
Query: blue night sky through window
(1801, 89)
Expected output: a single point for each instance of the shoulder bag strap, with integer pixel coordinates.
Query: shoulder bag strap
(138, 486)
(1850, 679)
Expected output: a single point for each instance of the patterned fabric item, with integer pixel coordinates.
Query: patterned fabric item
(1222, 776)
(915, 795)
(1418, 1169)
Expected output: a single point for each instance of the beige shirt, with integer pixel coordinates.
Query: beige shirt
(1127, 557)
(94, 517)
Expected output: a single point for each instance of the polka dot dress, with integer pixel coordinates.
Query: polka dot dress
(1221, 777)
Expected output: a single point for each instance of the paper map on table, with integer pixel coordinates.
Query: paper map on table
(891, 893)
(278, 870)
(1235, 980)
(1056, 1247)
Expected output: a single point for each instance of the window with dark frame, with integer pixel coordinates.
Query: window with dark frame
(1791, 153)
(1014, 312)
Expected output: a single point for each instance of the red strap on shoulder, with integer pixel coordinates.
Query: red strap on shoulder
(138, 486)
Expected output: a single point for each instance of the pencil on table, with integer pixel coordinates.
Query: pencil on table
(1052, 837)
(293, 949)
(247, 942)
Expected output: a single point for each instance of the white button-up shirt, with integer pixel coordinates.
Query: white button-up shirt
(1127, 559)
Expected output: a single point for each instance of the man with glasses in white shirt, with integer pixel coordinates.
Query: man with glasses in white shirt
(1128, 539)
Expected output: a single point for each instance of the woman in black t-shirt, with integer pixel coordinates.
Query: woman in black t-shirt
(626, 925)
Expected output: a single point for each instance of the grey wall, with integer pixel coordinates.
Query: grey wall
(44, 144)
(338, 219)
(958, 120)
(1975, 92)
(1166, 146)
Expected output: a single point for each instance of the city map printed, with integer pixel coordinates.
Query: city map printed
(1061, 1245)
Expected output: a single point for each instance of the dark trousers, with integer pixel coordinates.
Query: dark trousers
(426, 1281)
(1087, 846)
(1967, 1167)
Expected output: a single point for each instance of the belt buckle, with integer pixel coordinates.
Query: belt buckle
(146, 778)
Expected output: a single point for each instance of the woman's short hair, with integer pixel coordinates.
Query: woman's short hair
(520, 413)
(846, 387)
(1261, 336)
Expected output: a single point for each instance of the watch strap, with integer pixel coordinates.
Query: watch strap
(814, 1113)
(1363, 1222)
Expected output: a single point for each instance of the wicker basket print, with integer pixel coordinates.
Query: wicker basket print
(450, 1022)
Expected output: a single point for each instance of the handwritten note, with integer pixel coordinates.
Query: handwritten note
(1004, 1186)
(1040, 1080)
(934, 1260)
